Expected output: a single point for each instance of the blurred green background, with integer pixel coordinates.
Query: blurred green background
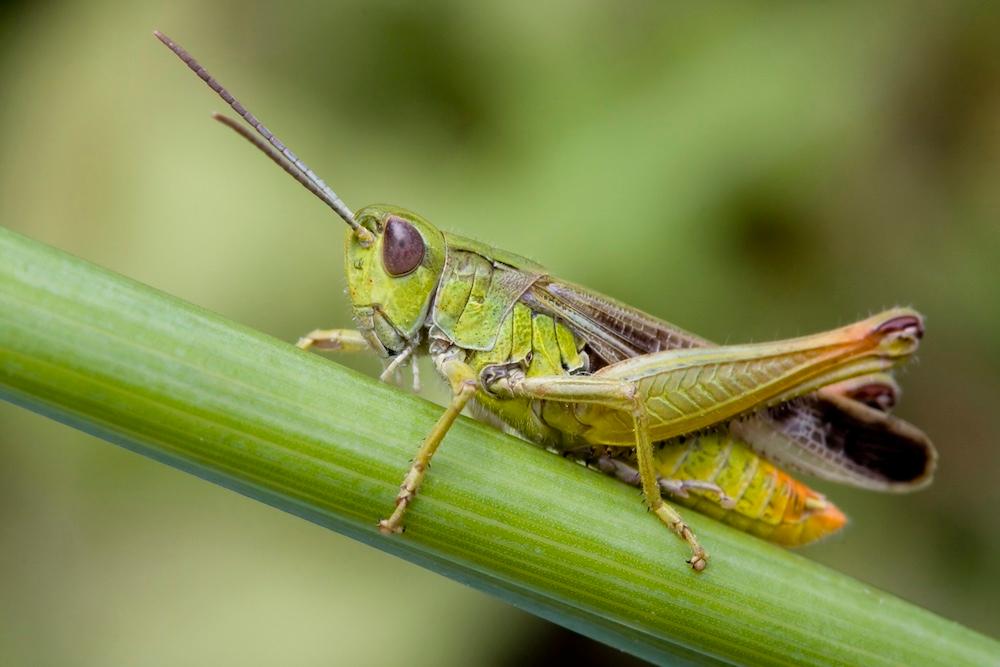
(748, 172)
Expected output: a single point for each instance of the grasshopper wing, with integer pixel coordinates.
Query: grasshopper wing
(842, 440)
(613, 331)
(841, 433)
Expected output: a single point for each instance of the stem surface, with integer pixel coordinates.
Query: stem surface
(186, 387)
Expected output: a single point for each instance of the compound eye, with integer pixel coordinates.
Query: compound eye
(402, 247)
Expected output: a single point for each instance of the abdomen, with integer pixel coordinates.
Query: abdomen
(769, 503)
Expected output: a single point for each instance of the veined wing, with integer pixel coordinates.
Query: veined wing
(842, 433)
(613, 330)
(842, 440)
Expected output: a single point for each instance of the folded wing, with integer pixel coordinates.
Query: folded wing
(842, 432)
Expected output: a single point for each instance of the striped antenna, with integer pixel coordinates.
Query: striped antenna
(283, 156)
(270, 152)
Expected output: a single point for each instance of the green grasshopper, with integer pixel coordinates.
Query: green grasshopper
(614, 387)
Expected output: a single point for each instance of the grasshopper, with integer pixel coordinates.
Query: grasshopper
(713, 427)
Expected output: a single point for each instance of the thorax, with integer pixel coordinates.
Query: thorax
(478, 313)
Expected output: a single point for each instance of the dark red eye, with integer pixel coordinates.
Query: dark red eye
(402, 247)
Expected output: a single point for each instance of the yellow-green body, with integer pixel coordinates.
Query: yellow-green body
(483, 305)
(633, 395)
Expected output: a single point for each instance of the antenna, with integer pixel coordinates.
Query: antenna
(269, 152)
(281, 154)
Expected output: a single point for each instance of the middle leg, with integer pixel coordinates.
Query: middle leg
(463, 386)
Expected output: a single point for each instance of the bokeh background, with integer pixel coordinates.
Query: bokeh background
(748, 172)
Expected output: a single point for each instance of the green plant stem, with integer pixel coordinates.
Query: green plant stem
(186, 387)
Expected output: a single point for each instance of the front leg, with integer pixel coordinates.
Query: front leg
(352, 340)
(463, 385)
(343, 340)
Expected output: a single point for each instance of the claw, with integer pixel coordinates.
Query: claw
(698, 562)
(387, 528)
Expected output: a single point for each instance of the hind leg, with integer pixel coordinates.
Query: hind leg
(651, 490)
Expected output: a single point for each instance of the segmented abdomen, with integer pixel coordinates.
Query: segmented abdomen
(768, 502)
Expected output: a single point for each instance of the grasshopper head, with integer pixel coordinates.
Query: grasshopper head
(391, 280)
(394, 257)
